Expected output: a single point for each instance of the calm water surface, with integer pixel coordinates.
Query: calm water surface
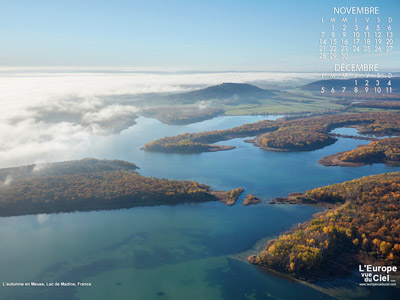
(176, 252)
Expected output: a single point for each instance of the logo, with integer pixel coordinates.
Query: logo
(377, 275)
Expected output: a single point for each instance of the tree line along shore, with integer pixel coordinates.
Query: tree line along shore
(303, 134)
(93, 184)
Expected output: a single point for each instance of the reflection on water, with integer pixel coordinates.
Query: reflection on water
(174, 252)
(354, 132)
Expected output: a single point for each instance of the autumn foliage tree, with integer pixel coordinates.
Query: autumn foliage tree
(365, 219)
(292, 135)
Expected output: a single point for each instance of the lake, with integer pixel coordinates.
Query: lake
(189, 251)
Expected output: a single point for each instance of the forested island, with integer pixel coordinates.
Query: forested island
(93, 184)
(282, 135)
(362, 225)
(385, 151)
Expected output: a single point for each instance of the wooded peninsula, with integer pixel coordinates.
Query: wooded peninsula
(363, 224)
(283, 134)
(381, 151)
(93, 184)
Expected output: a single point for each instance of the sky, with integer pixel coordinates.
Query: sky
(266, 35)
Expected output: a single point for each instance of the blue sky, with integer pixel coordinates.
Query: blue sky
(266, 35)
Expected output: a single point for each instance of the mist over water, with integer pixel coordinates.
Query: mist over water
(47, 114)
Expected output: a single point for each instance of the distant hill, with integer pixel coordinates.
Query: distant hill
(232, 92)
(338, 84)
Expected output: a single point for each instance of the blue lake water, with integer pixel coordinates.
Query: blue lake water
(354, 132)
(175, 252)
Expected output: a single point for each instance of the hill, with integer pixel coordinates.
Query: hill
(338, 85)
(231, 92)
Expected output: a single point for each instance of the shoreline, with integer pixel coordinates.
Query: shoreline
(335, 160)
(114, 206)
(210, 148)
(211, 196)
(260, 244)
(282, 135)
(330, 225)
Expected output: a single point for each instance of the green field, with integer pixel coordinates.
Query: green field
(294, 101)
(280, 107)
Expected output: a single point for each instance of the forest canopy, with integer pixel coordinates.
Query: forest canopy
(364, 222)
(86, 187)
(380, 151)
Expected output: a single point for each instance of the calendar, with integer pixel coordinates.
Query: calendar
(351, 41)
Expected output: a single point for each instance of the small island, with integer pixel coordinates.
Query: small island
(93, 184)
(284, 140)
(185, 146)
(362, 225)
(250, 199)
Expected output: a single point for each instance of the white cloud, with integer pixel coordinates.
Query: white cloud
(109, 113)
(70, 104)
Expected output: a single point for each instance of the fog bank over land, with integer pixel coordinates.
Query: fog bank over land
(46, 114)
